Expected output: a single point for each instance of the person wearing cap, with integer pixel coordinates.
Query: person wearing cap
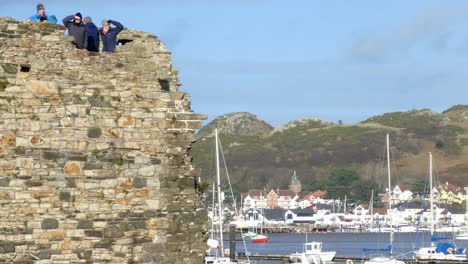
(76, 29)
(91, 41)
(109, 34)
(41, 15)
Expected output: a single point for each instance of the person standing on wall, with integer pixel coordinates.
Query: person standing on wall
(41, 15)
(91, 42)
(76, 29)
(109, 34)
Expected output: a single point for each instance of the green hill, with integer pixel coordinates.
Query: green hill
(314, 148)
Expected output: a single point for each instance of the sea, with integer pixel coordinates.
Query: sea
(345, 244)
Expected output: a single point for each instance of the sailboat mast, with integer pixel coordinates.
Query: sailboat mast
(218, 181)
(371, 205)
(344, 205)
(213, 209)
(389, 195)
(431, 203)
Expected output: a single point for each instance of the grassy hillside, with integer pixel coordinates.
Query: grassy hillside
(314, 148)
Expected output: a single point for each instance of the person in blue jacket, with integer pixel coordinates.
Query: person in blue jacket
(109, 34)
(41, 15)
(91, 41)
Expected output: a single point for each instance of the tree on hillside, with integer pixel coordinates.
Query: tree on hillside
(343, 182)
(418, 187)
(361, 191)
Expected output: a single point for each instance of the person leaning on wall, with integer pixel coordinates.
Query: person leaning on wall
(109, 34)
(91, 41)
(76, 29)
(41, 15)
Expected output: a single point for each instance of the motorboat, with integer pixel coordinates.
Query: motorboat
(311, 251)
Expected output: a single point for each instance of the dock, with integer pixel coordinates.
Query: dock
(285, 259)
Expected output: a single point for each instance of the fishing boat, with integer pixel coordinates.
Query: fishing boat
(443, 250)
(311, 250)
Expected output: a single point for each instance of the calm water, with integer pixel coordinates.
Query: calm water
(345, 244)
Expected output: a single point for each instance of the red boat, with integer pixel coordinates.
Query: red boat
(260, 239)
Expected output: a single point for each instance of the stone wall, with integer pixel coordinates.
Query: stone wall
(94, 164)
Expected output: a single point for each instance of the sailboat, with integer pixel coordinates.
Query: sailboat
(441, 251)
(260, 238)
(215, 242)
(463, 234)
(390, 259)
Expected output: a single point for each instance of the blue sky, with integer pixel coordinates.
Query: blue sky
(285, 60)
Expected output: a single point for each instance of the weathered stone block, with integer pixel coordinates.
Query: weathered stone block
(147, 171)
(9, 68)
(142, 50)
(53, 155)
(4, 182)
(73, 168)
(85, 224)
(7, 248)
(70, 183)
(65, 196)
(139, 182)
(93, 233)
(42, 88)
(153, 248)
(113, 231)
(94, 132)
(49, 223)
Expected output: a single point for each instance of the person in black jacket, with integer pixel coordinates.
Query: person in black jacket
(76, 29)
(109, 34)
(91, 41)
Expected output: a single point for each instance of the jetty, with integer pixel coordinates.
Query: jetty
(285, 259)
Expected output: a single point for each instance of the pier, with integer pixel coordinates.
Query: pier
(285, 259)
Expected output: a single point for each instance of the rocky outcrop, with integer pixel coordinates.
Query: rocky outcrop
(94, 165)
(239, 123)
(457, 113)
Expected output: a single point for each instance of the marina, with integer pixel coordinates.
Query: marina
(347, 246)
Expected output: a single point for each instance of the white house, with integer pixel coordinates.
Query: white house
(401, 194)
(296, 216)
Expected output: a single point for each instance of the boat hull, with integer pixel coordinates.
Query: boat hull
(260, 239)
(325, 256)
(383, 260)
(430, 253)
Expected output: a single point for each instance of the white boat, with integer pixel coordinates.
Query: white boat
(462, 236)
(311, 251)
(387, 259)
(215, 252)
(383, 260)
(249, 234)
(261, 237)
(308, 259)
(441, 251)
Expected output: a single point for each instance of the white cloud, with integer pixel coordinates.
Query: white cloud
(434, 27)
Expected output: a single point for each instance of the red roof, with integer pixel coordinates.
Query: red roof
(254, 193)
(449, 187)
(404, 188)
(316, 194)
(286, 193)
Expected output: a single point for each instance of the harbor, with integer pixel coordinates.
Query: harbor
(348, 246)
